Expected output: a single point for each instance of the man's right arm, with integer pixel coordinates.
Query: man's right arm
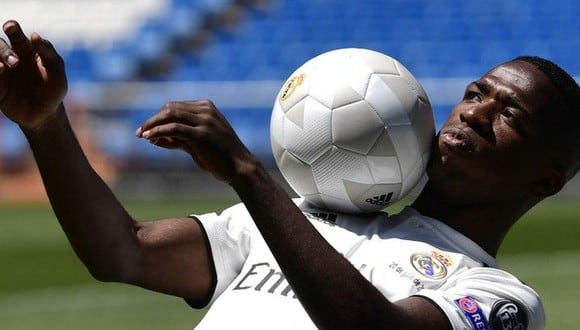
(168, 256)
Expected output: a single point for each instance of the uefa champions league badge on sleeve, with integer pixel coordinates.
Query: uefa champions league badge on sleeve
(473, 313)
(506, 314)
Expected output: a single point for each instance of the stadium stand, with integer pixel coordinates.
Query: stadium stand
(108, 43)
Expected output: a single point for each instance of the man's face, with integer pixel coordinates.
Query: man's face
(491, 146)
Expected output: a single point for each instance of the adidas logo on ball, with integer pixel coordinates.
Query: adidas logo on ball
(382, 200)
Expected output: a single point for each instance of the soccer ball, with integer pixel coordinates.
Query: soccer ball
(351, 130)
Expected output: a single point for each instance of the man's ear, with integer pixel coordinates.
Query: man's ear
(549, 182)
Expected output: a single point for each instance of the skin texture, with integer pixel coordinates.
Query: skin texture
(492, 139)
(170, 256)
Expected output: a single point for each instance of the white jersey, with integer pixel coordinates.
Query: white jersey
(402, 255)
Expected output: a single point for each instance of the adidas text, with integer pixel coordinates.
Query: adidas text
(382, 200)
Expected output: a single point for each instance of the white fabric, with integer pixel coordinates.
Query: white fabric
(402, 255)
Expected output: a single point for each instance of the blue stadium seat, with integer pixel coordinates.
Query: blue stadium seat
(79, 63)
(117, 63)
(152, 41)
(400, 27)
(182, 21)
(434, 39)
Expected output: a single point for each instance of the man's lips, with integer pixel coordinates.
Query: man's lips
(457, 139)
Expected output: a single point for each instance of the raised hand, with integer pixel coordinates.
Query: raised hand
(198, 128)
(32, 77)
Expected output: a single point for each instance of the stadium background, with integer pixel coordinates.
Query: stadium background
(126, 58)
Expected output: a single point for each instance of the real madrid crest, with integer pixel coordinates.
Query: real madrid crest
(291, 86)
(431, 265)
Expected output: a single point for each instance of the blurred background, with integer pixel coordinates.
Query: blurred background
(126, 58)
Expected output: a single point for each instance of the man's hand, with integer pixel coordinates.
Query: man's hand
(198, 128)
(32, 77)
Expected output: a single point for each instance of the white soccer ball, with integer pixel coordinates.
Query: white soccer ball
(351, 130)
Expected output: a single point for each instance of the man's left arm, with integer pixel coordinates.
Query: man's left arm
(332, 291)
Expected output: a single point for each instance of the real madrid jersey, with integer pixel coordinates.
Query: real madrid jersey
(402, 255)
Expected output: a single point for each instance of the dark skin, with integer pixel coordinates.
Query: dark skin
(498, 121)
(170, 256)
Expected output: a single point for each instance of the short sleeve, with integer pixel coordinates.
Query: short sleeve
(488, 298)
(229, 236)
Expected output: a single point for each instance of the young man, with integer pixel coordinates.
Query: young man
(267, 263)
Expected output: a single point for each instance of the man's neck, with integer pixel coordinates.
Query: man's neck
(484, 223)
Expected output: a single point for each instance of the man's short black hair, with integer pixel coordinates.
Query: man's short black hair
(568, 104)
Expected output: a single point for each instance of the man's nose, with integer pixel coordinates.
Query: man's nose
(480, 118)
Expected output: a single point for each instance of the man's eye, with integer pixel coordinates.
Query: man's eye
(473, 96)
(507, 113)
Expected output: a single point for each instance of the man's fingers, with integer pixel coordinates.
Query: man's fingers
(50, 58)
(18, 40)
(167, 143)
(7, 55)
(171, 130)
(172, 112)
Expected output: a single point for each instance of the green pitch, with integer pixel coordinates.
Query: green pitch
(44, 286)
